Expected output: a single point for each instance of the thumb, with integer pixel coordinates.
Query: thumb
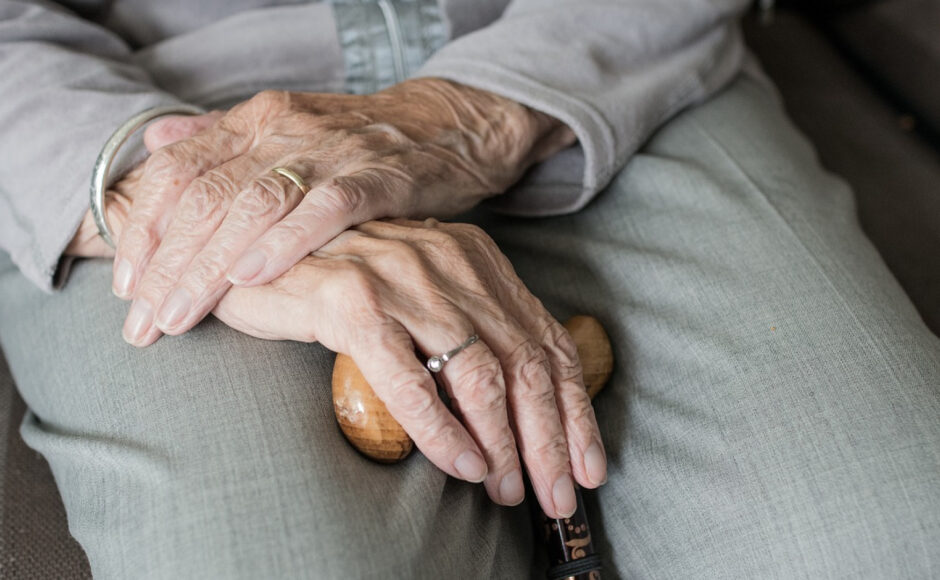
(172, 128)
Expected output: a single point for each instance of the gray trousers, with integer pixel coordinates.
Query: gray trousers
(775, 410)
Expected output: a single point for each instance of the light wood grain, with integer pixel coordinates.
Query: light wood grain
(371, 429)
(363, 418)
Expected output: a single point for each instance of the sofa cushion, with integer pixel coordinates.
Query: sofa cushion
(898, 44)
(858, 133)
(819, 5)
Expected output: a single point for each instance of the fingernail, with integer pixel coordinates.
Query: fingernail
(123, 273)
(511, 490)
(471, 466)
(138, 321)
(174, 309)
(563, 496)
(595, 464)
(247, 267)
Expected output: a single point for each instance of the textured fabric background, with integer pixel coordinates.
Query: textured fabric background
(34, 539)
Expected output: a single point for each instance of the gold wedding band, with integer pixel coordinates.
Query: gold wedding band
(289, 174)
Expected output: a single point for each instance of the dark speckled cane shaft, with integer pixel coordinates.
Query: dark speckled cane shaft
(569, 541)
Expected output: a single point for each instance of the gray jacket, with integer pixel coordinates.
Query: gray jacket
(72, 71)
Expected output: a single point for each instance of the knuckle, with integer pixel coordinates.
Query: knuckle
(531, 364)
(565, 351)
(356, 277)
(481, 387)
(234, 123)
(288, 232)
(582, 412)
(271, 99)
(207, 269)
(411, 395)
(356, 142)
(158, 277)
(402, 255)
(446, 243)
(206, 199)
(355, 287)
(163, 161)
(263, 197)
(505, 451)
(553, 451)
(138, 234)
(443, 246)
(341, 196)
(384, 137)
(443, 434)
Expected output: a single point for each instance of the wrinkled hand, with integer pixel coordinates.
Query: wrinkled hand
(87, 243)
(381, 290)
(208, 212)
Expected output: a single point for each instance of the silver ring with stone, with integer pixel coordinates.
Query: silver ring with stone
(436, 363)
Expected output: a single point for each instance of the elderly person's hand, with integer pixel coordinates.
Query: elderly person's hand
(383, 290)
(209, 212)
(87, 242)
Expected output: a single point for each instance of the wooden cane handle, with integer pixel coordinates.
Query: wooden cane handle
(372, 430)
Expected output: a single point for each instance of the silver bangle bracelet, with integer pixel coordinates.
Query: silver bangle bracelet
(99, 178)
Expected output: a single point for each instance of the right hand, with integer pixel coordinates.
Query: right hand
(209, 212)
(384, 289)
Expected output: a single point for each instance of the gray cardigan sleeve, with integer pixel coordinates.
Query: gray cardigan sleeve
(612, 70)
(66, 85)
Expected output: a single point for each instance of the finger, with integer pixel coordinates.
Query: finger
(257, 208)
(527, 368)
(527, 396)
(170, 129)
(585, 446)
(388, 363)
(201, 209)
(326, 210)
(474, 382)
(534, 411)
(166, 174)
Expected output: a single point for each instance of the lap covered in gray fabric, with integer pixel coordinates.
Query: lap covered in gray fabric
(773, 411)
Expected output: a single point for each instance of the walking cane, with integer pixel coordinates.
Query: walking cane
(370, 428)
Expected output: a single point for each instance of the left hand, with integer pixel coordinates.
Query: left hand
(383, 290)
(208, 211)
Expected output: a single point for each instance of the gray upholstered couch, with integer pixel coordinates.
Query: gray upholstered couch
(862, 80)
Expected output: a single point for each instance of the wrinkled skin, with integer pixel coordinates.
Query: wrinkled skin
(516, 394)
(209, 212)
